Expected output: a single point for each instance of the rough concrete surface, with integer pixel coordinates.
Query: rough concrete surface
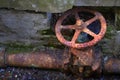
(38, 5)
(54, 6)
(97, 3)
(21, 26)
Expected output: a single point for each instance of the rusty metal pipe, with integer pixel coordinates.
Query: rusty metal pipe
(112, 65)
(50, 61)
(37, 59)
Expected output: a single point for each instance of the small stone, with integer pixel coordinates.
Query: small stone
(16, 76)
(34, 6)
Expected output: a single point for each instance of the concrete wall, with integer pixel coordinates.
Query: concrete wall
(54, 6)
(110, 3)
(38, 5)
(22, 27)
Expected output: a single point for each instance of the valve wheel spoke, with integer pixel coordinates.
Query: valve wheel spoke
(76, 34)
(86, 30)
(68, 26)
(88, 22)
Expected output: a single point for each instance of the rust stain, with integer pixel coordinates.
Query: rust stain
(37, 59)
(85, 56)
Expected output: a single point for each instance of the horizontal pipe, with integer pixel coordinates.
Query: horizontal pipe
(50, 61)
(112, 65)
(38, 59)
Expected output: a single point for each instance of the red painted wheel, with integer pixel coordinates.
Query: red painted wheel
(80, 26)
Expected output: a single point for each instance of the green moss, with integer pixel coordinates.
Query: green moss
(52, 42)
(50, 39)
(17, 48)
(46, 32)
(110, 32)
(108, 44)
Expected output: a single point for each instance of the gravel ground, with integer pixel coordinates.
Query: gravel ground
(12, 73)
(17, 73)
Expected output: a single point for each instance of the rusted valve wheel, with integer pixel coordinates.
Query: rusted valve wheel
(80, 26)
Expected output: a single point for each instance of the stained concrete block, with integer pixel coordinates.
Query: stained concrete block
(38, 5)
(54, 6)
(110, 3)
(21, 27)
